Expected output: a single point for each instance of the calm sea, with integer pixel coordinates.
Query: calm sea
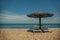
(28, 25)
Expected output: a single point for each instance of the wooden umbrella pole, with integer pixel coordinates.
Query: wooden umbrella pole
(40, 23)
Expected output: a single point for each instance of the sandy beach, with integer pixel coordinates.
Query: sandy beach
(22, 34)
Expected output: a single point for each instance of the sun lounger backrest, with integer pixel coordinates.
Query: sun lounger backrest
(36, 27)
(46, 28)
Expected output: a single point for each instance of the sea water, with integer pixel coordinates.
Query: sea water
(28, 25)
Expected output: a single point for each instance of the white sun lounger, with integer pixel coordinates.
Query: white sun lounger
(46, 30)
(37, 30)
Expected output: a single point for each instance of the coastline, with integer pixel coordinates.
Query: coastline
(22, 34)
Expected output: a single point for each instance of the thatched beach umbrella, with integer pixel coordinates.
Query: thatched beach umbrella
(40, 15)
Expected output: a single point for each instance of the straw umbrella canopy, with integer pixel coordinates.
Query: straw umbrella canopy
(40, 15)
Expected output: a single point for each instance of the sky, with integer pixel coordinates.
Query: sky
(15, 11)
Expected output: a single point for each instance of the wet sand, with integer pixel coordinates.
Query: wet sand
(22, 34)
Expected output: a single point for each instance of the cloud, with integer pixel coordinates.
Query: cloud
(51, 20)
(9, 17)
(15, 18)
